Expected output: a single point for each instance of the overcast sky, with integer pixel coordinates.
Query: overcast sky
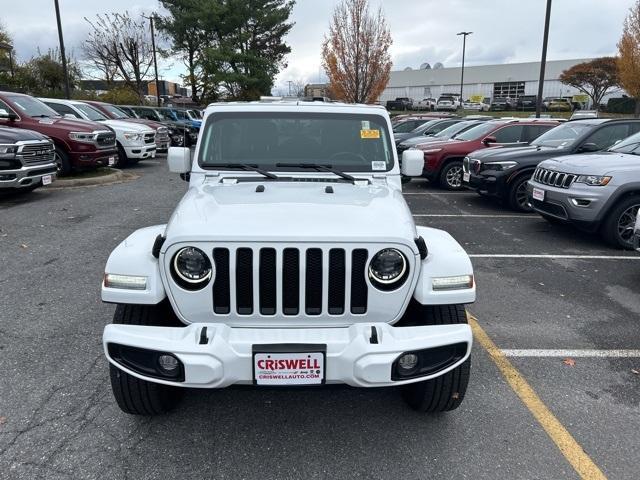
(505, 31)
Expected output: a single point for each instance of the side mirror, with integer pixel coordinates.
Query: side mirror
(70, 115)
(412, 163)
(589, 147)
(489, 140)
(179, 159)
(7, 115)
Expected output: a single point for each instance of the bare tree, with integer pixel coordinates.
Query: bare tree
(119, 41)
(355, 55)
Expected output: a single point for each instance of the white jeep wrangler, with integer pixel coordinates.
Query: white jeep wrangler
(292, 260)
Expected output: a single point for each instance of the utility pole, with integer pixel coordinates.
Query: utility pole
(155, 62)
(289, 82)
(543, 61)
(464, 47)
(65, 72)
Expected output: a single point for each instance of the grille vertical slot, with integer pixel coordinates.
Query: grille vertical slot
(336, 281)
(268, 282)
(358, 281)
(244, 281)
(221, 286)
(290, 281)
(313, 282)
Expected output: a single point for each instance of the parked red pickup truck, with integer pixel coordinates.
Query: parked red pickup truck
(443, 160)
(79, 144)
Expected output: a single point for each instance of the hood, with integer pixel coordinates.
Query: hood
(292, 212)
(124, 126)
(593, 163)
(12, 135)
(495, 154)
(70, 125)
(410, 142)
(143, 121)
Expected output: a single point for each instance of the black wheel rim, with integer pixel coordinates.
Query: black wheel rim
(521, 196)
(626, 223)
(58, 160)
(454, 176)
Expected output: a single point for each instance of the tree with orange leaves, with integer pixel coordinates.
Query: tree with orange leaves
(355, 55)
(629, 55)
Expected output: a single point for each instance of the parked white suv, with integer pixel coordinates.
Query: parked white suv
(292, 260)
(135, 142)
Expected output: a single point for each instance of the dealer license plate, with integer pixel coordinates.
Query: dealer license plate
(112, 161)
(46, 180)
(538, 194)
(466, 176)
(278, 368)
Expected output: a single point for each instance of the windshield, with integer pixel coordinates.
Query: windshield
(195, 114)
(32, 106)
(90, 112)
(115, 112)
(358, 143)
(456, 128)
(404, 127)
(476, 132)
(164, 114)
(181, 114)
(628, 145)
(424, 126)
(561, 136)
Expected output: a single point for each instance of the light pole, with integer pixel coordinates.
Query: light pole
(543, 61)
(464, 47)
(65, 72)
(155, 61)
(289, 82)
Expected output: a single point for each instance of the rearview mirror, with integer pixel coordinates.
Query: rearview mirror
(179, 159)
(412, 163)
(589, 147)
(489, 140)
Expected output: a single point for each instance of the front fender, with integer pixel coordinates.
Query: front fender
(446, 258)
(133, 257)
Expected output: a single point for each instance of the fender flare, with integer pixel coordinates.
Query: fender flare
(133, 256)
(446, 258)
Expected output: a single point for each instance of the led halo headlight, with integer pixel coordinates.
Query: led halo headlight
(387, 268)
(192, 268)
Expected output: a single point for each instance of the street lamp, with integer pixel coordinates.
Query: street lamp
(464, 46)
(155, 61)
(65, 72)
(543, 61)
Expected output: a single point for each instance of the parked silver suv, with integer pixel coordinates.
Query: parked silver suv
(596, 191)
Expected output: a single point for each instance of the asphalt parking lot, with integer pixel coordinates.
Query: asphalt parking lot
(554, 391)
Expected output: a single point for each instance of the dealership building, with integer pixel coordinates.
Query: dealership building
(489, 81)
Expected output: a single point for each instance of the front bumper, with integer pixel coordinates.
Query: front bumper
(140, 151)
(579, 204)
(26, 176)
(225, 358)
(487, 185)
(93, 159)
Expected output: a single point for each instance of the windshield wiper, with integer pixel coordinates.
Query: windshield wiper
(320, 168)
(250, 167)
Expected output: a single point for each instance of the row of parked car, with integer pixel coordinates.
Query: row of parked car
(584, 172)
(451, 102)
(44, 137)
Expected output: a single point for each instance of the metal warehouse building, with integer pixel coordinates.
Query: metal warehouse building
(506, 80)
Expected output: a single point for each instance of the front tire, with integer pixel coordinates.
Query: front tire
(518, 195)
(123, 161)
(133, 395)
(451, 176)
(446, 392)
(63, 164)
(617, 229)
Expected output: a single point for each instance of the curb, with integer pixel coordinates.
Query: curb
(117, 176)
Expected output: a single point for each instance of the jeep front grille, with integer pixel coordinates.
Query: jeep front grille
(553, 178)
(321, 272)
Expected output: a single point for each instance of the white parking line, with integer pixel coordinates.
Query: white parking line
(436, 193)
(577, 257)
(471, 215)
(572, 353)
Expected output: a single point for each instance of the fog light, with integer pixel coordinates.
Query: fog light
(127, 282)
(407, 363)
(168, 362)
(452, 283)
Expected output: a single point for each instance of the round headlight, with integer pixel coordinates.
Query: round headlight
(387, 267)
(192, 266)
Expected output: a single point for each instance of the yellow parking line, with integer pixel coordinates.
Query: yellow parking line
(572, 451)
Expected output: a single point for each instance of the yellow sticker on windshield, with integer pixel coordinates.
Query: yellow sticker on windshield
(369, 133)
